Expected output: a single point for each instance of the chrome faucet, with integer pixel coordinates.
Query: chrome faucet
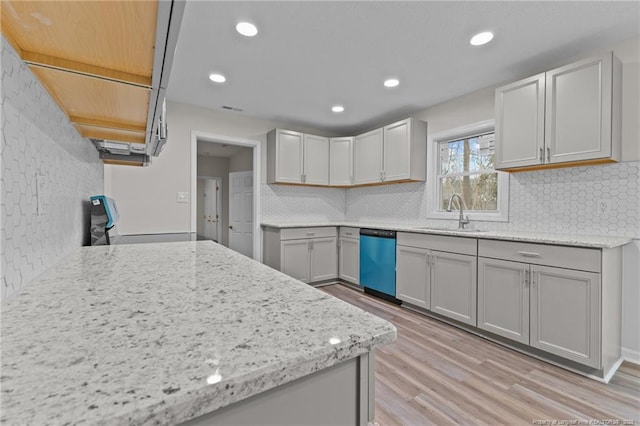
(462, 221)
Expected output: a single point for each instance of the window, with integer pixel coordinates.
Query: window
(462, 163)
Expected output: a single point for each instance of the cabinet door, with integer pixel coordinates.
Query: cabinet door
(349, 262)
(316, 160)
(453, 286)
(295, 259)
(412, 276)
(341, 161)
(565, 313)
(578, 111)
(503, 298)
(396, 151)
(520, 123)
(367, 153)
(324, 259)
(289, 151)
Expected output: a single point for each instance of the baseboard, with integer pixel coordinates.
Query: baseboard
(631, 355)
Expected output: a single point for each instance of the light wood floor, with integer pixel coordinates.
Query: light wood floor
(437, 374)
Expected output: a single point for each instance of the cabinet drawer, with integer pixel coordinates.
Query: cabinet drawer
(348, 232)
(459, 245)
(316, 232)
(584, 259)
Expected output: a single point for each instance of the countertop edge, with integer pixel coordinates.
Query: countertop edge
(587, 241)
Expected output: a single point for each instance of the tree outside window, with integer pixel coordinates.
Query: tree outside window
(466, 168)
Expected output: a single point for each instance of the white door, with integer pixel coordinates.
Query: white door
(241, 212)
(396, 151)
(211, 201)
(316, 160)
(367, 157)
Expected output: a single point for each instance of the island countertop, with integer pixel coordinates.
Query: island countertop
(161, 333)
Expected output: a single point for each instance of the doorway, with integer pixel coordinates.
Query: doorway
(209, 208)
(226, 167)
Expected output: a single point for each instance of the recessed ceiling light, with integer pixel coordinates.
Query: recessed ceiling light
(481, 38)
(337, 108)
(391, 82)
(247, 29)
(217, 78)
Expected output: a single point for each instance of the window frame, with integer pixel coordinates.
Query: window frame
(433, 164)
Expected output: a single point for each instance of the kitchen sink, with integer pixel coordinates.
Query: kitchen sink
(433, 228)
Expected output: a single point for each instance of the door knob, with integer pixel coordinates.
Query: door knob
(230, 226)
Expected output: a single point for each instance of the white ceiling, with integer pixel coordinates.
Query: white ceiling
(309, 56)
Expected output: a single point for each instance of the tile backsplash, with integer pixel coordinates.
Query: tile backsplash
(559, 200)
(289, 203)
(38, 140)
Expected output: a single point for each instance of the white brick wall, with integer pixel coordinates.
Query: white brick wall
(37, 139)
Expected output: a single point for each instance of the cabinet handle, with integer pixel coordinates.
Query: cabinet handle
(529, 254)
(541, 155)
(310, 234)
(525, 273)
(384, 175)
(548, 155)
(349, 233)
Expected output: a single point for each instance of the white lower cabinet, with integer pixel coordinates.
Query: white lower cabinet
(565, 313)
(553, 300)
(441, 281)
(324, 260)
(349, 255)
(453, 286)
(307, 254)
(296, 257)
(413, 276)
(503, 298)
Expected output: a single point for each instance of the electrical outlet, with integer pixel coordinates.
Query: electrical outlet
(183, 197)
(602, 207)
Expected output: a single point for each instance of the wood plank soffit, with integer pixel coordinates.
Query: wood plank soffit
(40, 60)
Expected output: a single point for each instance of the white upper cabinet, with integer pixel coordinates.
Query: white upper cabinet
(396, 152)
(393, 153)
(341, 161)
(569, 114)
(367, 152)
(520, 123)
(316, 160)
(284, 156)
(294, 157)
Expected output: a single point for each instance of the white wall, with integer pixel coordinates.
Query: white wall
(38, 139)
(242, 161)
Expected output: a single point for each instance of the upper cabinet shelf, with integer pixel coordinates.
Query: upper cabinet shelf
(564, 117)
(102, 61)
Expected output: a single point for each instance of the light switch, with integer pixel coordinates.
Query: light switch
(183, 197)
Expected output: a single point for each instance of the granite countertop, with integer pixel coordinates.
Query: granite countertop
(161, 333)
(577, 240)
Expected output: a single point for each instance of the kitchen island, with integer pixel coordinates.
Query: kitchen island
(190, 331)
